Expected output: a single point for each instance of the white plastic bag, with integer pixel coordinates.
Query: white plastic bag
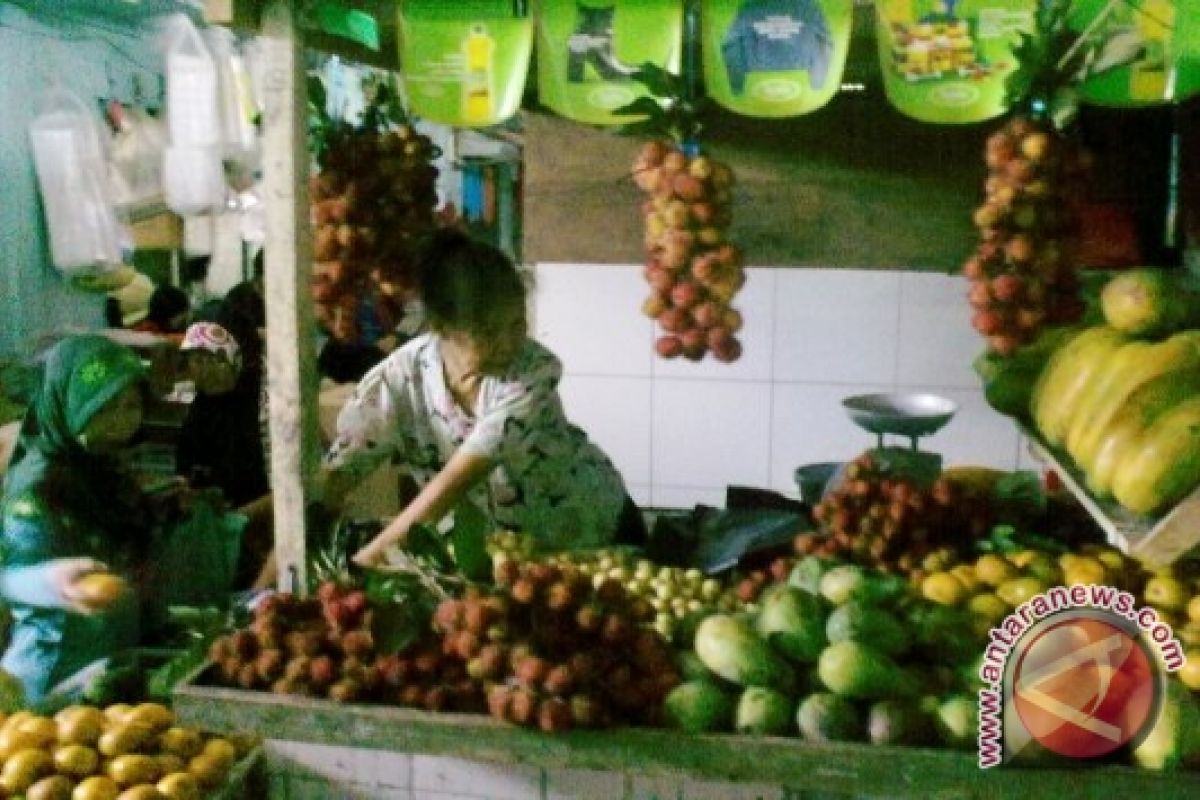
(234, 96)
(193, 179)
(193, 119)
(137, 158)
(72, 176)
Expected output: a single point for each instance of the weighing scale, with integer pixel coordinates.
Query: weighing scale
(901, 414)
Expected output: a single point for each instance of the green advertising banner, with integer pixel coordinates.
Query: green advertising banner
(588, 49)
(775, 58)
(1154, 44)
(464, 63)
(947, 60)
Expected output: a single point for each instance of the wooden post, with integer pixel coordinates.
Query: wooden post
(291, 354)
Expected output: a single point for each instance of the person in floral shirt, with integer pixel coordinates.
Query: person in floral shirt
(471, 410)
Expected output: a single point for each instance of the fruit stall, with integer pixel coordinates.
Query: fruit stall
(831, 646)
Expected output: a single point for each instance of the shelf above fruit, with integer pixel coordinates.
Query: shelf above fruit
(1162, 540)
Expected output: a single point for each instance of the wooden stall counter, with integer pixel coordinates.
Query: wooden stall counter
(764, 767)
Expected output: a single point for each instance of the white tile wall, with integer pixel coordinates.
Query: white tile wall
(936, 341)
(811, 338)
(701, 429)
(590, 316)
(615, 412)
(836, 326)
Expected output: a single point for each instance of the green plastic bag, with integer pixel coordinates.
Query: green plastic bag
(464, 62)
(948, 60)
(1155, 45)
(198, 557)
(587, 51)
(775, 58)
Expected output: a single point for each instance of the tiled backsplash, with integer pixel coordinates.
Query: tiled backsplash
(682, 431)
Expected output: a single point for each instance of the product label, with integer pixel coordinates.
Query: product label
(464, 64)
(947, 60)
(1149, 52)
(589, 49)
(775, 58)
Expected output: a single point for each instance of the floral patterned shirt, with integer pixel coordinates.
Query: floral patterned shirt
(549, 480)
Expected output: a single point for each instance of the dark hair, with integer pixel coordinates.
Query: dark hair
(166, 303)
(462, 281)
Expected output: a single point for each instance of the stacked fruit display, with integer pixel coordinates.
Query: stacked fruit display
(867, 646)
(884, 519)
(1126, 412)
(556, 652)
(320, 646)
(373, 198)
(667, 595)
(694, 271)
(1023, 273)
(123, 752)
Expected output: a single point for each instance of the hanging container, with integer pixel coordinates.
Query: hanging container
(235, 103)
(948, 60)
(193, 118)
(775, 58)
(588, 50)
(193, 179)
(1151, 51)
(72, 179)
(464, 63)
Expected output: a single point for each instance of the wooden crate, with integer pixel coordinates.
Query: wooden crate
(1159, 541)
(855, 769)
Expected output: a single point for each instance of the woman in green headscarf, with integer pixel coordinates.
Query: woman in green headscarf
(69, 508)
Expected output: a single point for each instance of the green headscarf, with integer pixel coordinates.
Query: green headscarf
(82, 374)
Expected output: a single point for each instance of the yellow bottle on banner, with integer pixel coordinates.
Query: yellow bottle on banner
(1148, 76)
(478, 98)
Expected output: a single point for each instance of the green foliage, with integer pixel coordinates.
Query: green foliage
(384, 110)
(669, 112)
(1055, 60)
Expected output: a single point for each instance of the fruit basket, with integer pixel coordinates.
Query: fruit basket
(1162, 540)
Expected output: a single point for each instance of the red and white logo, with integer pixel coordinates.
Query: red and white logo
(1083, 683)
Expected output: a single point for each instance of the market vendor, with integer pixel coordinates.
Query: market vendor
(471, 410)
(69, 509)
(221, 444)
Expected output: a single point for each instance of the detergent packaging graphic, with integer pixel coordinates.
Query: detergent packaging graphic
(588, 51)
(775, 58)
(464, 63)
(947, 60)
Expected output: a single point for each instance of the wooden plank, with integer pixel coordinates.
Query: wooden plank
(893, 772)
(291, 352)
(1159, 541)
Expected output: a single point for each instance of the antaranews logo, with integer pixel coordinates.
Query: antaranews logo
(1078, 670)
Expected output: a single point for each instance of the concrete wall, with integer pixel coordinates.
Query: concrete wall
(299, 771)
(95, 60)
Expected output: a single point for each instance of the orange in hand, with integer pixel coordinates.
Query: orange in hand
(99, 589)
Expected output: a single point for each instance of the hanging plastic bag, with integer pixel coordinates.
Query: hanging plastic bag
(235, 101)
(775, 59)
(68, 157)
(1150, 50)
(137, 157)
(465, 63)
(588, 52)
(193, 179)
(949, 62)
(193, 118)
